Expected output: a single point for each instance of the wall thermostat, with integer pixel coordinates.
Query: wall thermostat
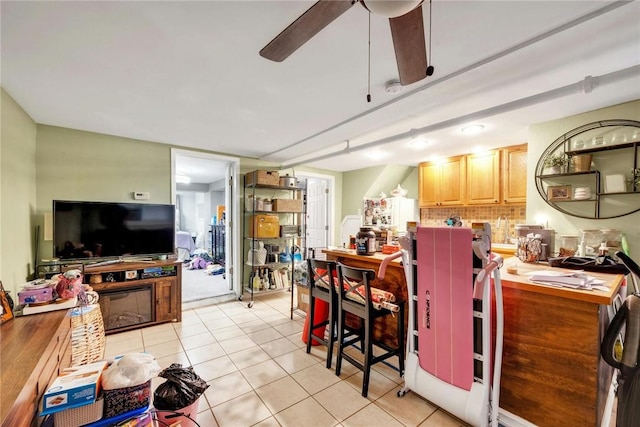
(138, 195)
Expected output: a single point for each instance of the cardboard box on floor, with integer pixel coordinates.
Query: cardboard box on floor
(303, 297)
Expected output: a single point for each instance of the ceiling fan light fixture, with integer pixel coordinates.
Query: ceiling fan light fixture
(391, 8)
(472, 129)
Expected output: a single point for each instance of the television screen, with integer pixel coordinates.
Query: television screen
(104, 230)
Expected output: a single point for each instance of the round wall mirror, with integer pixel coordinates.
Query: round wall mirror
(593, 171)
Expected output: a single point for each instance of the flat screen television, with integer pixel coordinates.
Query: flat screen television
(111, 230)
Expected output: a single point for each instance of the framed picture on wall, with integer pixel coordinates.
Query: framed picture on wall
(559, 192)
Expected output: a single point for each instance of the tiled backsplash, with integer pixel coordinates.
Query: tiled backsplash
(516, 214)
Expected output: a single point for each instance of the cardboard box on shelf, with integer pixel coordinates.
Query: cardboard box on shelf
(287, 205)
(264, 226)
(262, 177)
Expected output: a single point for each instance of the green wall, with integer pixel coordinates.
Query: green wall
(78, 165)
(371, 181)
(540, 137)
(17, 193)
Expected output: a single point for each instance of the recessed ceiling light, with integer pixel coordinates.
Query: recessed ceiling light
(418, 143)
(472, 129)
(376, 154)
(183, 179)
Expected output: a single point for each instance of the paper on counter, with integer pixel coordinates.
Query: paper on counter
(576, 280)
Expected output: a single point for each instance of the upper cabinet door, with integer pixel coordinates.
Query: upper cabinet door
(483, 178)
(428, 177)
(452, 187)
(514, 169)
(442, 183)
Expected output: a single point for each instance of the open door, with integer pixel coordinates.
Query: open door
(230, 236)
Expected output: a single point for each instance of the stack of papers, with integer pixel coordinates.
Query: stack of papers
(576, 279)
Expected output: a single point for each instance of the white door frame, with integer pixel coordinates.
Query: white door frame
(331, 214)
(233, 221)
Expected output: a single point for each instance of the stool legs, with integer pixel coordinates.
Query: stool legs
(367, 343)
(311, 326)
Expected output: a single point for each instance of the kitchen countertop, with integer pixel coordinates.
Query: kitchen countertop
(547, 362)
(521, 281)
(378, 257)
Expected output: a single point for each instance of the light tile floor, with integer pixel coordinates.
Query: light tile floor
(259, 374)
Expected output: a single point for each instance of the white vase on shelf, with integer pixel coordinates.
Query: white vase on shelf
(398, 191)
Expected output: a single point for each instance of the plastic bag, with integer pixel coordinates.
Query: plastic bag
(182, 388)
(130, 370)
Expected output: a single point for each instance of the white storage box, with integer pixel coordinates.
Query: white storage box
(79, 416)
(614, 184)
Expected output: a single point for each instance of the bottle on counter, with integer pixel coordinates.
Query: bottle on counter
(366, 241)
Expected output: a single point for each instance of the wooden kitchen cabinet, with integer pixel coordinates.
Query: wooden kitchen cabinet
(483, 178)
(442, 183)
(496, 177)
(514, 174)
(552, 372)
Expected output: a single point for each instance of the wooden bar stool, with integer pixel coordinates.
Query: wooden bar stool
(357, 297)
(322, 279)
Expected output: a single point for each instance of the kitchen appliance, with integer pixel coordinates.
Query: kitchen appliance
(288, 181)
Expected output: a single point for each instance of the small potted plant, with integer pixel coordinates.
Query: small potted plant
(555, 163)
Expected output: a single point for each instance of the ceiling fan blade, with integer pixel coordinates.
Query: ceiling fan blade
(407, 32)
(304, 28)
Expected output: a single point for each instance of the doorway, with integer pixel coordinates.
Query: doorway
(205, 194)
(320, 212)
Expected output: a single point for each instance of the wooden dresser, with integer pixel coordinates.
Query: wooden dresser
(33, 350)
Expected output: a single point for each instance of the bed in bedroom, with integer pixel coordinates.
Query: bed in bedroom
(184, 245)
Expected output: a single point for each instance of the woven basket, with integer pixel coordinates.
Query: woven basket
(581, 163)
(87, 335)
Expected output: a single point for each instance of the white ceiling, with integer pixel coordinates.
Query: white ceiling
(189, 74)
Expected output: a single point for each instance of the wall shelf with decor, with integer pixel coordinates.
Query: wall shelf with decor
(275, 230)
(593, 171)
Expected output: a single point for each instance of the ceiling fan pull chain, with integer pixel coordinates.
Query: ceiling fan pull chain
(369, 64)
(430, 68)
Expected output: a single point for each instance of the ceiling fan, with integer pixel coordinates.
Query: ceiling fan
(407, 31)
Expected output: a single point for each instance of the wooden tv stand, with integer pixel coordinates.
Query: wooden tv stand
(161, 279)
